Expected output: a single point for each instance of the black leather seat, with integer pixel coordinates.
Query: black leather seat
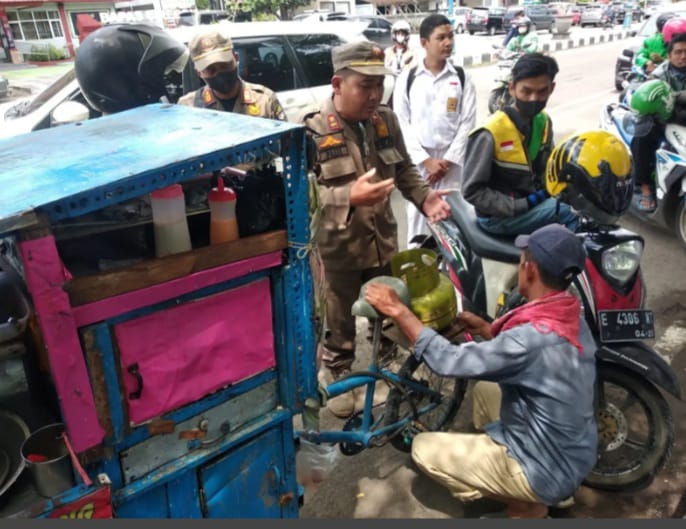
(482, 243)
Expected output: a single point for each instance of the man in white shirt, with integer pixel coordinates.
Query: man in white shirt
(436, 106)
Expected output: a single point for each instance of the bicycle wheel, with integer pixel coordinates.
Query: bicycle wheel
(400, 403)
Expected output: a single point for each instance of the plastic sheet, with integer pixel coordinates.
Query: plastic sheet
(314, 462)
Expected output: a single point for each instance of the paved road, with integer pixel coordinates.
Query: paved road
(383, 483)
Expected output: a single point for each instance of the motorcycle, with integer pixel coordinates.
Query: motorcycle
(500, 95)
(670, 168)
(635, 426)
(634, 78)
(607, 21)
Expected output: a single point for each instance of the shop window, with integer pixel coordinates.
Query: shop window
(57, 28)
(35, 25)
(43, 28)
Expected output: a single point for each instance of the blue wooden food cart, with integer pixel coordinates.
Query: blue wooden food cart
(176, 378)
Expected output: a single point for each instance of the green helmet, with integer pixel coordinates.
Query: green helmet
(654, 97)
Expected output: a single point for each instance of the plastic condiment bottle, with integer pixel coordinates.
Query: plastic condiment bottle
(223, 225)
(169, 221)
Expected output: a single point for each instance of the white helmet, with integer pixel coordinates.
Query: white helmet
(401, 25)
(524, 21)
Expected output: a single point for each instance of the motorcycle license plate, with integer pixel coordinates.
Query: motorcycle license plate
(626, 325)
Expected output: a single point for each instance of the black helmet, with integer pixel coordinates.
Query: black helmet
(122, 66)
(664, 17)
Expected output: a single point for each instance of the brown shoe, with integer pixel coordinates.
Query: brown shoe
(343, 405)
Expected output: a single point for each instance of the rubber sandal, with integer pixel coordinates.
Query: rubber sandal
(645, 203)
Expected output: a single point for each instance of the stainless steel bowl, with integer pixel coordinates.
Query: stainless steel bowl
(14, 433)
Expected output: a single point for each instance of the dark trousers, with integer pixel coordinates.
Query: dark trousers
(643, 150)
(510, 35)
(342, 289)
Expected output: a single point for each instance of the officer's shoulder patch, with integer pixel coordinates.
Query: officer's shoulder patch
(260, 89)
(308, 113)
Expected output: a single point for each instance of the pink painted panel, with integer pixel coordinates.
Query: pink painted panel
(191, 350)
(115, 305)
(45, 274)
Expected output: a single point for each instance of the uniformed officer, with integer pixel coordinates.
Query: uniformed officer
(360, 158)
(216, 63)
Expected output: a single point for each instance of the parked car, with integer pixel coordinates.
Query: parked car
(4, 87)
(318, 16)
(196, 18)
(291, 58)
(486, 19)
(655, 6)
(378, 28)
(648, 28)
(621, 8)
(459, 19)
(541, 16)
(637, 14)
(592, 15)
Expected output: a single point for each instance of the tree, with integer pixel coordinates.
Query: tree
(202, 4)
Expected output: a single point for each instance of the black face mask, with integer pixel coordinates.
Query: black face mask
(528, 109)
(223, 82)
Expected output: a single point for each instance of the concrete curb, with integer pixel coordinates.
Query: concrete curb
(558, 43)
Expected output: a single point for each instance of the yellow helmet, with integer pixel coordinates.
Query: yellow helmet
(591, 171)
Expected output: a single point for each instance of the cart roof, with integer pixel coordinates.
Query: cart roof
(83, 167)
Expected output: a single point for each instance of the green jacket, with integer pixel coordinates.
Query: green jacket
(654, 44)
(527, 43)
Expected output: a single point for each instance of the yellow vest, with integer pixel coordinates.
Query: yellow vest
(509, 141)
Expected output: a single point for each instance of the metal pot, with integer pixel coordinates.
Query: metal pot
(14, 433)
(53, 474)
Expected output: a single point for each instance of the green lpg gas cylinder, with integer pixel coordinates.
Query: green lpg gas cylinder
(433, 295)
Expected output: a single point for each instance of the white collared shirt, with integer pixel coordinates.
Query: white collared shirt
(439, 113)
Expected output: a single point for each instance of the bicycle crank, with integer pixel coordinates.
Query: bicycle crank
(352, 424)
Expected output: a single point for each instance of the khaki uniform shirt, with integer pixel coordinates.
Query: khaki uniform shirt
(254, 100)
(397, 64)
(360, 237)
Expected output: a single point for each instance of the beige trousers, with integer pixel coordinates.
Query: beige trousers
(473, 466)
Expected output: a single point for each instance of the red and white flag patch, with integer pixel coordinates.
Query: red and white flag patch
(506, 146)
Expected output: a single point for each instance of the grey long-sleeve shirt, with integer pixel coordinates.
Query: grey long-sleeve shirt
(547, 421)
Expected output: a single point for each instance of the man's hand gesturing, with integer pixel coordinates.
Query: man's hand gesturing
(365, 193)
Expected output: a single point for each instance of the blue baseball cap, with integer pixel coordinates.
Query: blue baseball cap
(556, 250)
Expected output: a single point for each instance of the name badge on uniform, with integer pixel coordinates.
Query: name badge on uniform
(331, 146)
(451, 105)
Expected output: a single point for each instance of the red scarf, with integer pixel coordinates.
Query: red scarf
(558, 313)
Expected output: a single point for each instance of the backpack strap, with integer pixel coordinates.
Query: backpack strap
(413, 73)
(410, 79)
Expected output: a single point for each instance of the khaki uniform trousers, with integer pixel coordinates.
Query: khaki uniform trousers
(473, 466)
(342, 290)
